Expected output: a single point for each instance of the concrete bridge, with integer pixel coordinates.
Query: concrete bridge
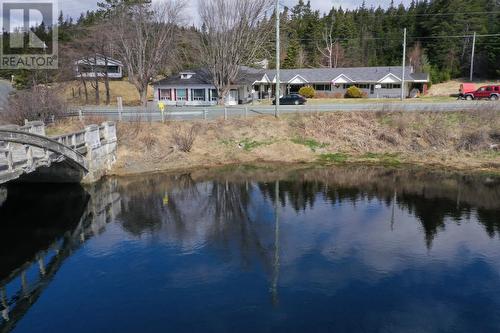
(85, 156)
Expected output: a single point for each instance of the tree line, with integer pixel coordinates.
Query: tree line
(374, 37)
(153, 39)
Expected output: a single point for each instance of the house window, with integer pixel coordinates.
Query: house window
(391, 86)
(181, 94)
(113, 69)
(214, 95)
(198, 94)
(363, 86)
(322, 87)
(166, 94)
(347, 85)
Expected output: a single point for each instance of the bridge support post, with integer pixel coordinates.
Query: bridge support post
(110, 143)
(35, 127)
(10, 159)
(24, 283)
(41, 265)
(101, 149)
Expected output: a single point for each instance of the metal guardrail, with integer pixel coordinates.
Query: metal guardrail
(216, 112)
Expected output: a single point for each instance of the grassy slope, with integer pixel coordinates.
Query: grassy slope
(121, 88)
(458, 140)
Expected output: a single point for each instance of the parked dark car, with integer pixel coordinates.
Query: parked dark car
(292, 99)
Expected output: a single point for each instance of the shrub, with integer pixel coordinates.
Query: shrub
(307, 92)
(353, 92)
(37, 103)
(471, 140)
(148, 140)
(184, 138)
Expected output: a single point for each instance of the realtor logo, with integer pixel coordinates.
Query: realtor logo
(30, 36)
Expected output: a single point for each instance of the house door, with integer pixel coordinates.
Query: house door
(232, 98)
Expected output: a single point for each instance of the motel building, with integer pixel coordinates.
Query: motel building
(194, 88)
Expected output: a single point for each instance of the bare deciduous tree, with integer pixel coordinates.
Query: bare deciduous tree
(330, 48)
(37, 103)
(233, 31)
(144, 35)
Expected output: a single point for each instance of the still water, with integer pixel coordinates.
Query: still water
(359, 249)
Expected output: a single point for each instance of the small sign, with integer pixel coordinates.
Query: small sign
(378, 86)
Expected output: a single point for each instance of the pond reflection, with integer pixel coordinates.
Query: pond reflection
(260, 249)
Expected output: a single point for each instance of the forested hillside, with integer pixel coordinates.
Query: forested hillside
(374, 36)
(439, 38)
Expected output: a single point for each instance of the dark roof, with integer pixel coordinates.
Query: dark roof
(356, 74)
(200, 76)
(250, 75)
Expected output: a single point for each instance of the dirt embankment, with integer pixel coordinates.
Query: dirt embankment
(455, 140)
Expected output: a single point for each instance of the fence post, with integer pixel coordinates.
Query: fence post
(204, 114)
(29, 156)
(225, 113)
(119, 101)
(162, 116)
(80, 115)
(246, 112)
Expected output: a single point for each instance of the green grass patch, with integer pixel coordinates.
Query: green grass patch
(311, 143)
(334, 158)
(247, 144)
(385, 158)
(491, 154)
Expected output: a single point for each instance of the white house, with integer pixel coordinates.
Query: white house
(195, 87)
(89, 67)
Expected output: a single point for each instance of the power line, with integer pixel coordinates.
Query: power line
(396, 39)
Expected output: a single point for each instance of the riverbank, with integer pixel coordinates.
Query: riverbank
(464, 141)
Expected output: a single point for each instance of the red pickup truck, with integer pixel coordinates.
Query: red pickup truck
(489, 92)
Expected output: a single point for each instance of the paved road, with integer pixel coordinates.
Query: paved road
(5, 89)
(191, 113)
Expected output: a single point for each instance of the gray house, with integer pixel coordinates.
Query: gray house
(195, 87)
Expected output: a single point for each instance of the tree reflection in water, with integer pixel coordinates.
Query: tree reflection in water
(237, 210)
(299, 232)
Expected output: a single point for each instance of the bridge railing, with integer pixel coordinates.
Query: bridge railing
(91, 150)
(75, 141)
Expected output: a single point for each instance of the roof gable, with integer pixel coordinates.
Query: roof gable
(297, 79)
(389, 78)
(342, 78)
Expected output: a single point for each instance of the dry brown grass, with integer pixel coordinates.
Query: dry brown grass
(461, 140)
(121, 88)
(184, 138)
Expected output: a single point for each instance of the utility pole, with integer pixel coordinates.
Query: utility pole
(277, 107)
(404, 67)
(472, 57)
(276, 264)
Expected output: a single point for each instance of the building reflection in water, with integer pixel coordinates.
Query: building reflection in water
(240, 211)
(244, 215)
